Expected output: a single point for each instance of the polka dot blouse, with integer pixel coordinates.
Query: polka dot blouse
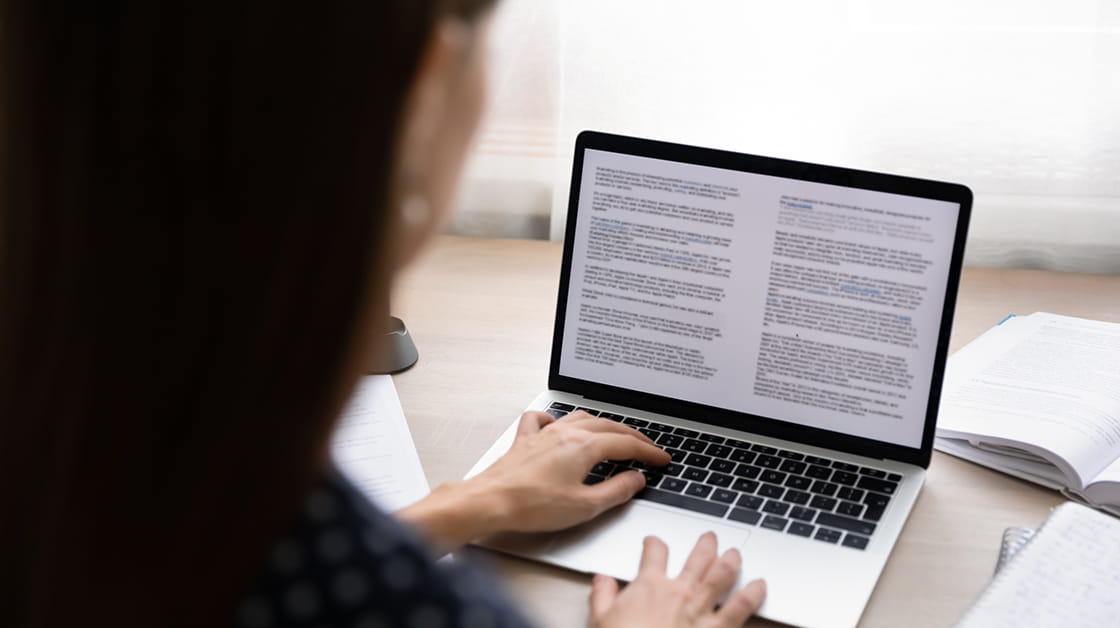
(348, 565)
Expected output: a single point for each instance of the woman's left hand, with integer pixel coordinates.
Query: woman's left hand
(538, 484)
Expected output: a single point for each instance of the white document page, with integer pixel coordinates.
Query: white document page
(1048, 380)
(1068, 574)
(814, 304)
(373, 447)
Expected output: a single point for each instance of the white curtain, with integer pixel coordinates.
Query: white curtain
(1018, 99)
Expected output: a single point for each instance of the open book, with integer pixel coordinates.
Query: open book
(1038, 397)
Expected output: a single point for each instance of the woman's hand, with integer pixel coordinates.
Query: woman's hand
(654, 600)
(538, 484)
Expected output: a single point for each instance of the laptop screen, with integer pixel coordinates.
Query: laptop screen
(810, 303)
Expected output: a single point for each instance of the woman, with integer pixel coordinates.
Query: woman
(203, 208)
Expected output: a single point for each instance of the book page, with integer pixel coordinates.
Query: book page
(1047, 380)
(1068, 574)
(1104, 490)
(373, 448)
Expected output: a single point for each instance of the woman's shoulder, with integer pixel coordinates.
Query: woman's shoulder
(345, 563)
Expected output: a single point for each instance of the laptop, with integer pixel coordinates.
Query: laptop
(780, 328)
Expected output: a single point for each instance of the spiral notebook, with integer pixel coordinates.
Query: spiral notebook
(1065, 574)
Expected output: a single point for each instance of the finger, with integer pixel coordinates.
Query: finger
(611, 446)
(577, 415)
(742, 604)
(718, 580)
(700, 559)
(655, 557)
(531, 422)
(610, 427)
(614, 491)
(604, 590)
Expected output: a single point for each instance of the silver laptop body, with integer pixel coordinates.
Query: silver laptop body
(781, 328)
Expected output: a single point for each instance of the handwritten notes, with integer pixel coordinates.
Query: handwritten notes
(1067, 575)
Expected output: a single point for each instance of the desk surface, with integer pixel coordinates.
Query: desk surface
(481, 312)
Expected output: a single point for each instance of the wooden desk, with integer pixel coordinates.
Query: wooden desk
(481, 312)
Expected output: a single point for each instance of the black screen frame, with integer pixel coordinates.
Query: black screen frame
(860, 179)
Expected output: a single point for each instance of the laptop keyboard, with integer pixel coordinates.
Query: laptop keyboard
(778, 489)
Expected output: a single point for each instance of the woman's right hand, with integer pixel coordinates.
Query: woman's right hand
(689, 600)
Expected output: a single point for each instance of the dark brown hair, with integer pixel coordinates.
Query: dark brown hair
(193, 225)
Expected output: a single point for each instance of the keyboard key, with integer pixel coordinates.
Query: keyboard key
(725, 496)
(691, 444)
(557, 413)
(682, 501)
(850, 509)
(844, 466)
(672, 469)
(769, 462)
(745, 486)
(854, 541)
(776, 508)
(697, 460)
(769, 490)
(617, 418)
(721, 480)
(793, 466)
(719, 451)
(801, 529)
(802, 514)
(773, 477)
(821, 487)
(796, 497)
(711, 438)
(694, 474)
(798, 482)
(673, 484)
(750, 501)
(556, 405)
(817, 460)
(828, 536)
(660, 427)
(845, 523)
(687, 433)
(588, 410)
(850, 494)
(844, 477)
(651, 434)
(742, 455)
(744, 516)
(698, 490)
(677, 454)
(874, 513)
(774, 522)
(790, 455)
(881, 486)
(894, 477)
(823, 503)
(763, 449)
(875, 499)
(670, 440)
(815, 471)
(875, 473)
(593, 479)
(747, 471)
(731, 442)
(603, 468)
(723, 466)
(635, 422)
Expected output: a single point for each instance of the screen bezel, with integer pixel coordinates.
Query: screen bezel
(921, 188)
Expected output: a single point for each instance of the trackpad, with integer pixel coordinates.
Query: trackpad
(612, 544)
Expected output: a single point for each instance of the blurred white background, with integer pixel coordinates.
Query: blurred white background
(1018, 99)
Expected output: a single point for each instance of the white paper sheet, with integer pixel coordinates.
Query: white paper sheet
(373, 447)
